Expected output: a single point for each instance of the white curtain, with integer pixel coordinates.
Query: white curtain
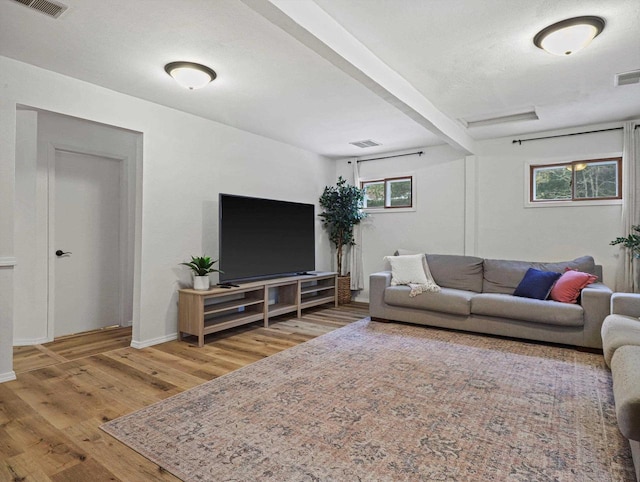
(355, 252)
(626, 279)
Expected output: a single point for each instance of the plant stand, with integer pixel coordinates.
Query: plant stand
(344, 290)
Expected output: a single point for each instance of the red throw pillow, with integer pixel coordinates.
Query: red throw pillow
(568, 287)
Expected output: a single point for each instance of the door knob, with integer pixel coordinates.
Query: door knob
(61, 253)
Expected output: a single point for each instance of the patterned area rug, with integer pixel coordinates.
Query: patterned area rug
(390, 402)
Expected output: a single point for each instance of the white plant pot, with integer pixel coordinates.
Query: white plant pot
(201, 283)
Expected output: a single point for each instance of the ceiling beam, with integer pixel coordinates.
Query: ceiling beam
(309, 24)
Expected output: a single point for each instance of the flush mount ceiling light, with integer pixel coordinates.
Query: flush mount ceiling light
(570, 35)
(190, 75)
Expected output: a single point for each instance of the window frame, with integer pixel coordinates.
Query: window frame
(573, 201)
(386, 181)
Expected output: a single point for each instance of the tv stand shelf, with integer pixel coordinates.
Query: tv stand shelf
(203, 312)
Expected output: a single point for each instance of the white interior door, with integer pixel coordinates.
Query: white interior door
(86, 223)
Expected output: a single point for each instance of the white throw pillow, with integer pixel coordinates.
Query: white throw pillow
(407, 269)
(414, 271)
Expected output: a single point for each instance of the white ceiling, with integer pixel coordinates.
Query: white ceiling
(466, 58)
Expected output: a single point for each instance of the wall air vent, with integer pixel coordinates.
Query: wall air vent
(500, 119)
(53, 9)
(626, 78)
(363, 144)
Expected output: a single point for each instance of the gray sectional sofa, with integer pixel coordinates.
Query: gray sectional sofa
(476, 296)
(621, 346)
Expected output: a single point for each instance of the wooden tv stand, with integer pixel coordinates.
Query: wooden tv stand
(203, 312)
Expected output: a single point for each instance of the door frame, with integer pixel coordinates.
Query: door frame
(52, 149)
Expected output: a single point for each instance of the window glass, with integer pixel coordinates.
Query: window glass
(374, 194)
(399, 194)
(388, 193)
(596, 180)
(552, 183)
(576, 181)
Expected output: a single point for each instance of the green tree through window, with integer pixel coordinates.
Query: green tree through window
(553, 183)
(597, 180)
(374, 194)
(576, 181)
(389, 193)
(400, 192)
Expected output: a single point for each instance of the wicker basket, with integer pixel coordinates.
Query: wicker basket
(344, 290)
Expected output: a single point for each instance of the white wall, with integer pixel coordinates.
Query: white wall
(476, 205)
(187, 161)
(181, 182)
(438, 223)
(507, 229)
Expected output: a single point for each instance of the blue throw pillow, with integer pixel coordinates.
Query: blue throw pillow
(536, 284)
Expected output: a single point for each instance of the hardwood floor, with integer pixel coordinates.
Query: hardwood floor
(50, 416)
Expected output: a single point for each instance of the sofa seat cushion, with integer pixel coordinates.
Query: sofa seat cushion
(527, 309)
(503, 276)
(457, 272)
(448, 300)
(618, 331)
(626, 389)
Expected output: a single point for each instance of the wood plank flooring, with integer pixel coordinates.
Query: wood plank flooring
(50, 415)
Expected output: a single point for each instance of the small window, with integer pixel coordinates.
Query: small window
(396, 192)
(597, 179)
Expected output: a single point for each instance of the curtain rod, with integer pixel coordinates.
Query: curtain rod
(388, 157)
(520, 141)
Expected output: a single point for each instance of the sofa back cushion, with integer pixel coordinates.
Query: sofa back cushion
(503, 276)
(457, 272)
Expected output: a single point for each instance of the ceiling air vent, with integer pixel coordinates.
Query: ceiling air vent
(47, 7)
(363, 144)
(627, 78)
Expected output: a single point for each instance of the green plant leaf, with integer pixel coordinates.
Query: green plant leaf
(202, 265)
(342, 205)
(631, 242)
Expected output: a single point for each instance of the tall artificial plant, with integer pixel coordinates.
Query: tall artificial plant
(342, 205)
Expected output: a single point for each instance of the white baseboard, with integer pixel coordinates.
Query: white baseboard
(127, 323)
(7, 377)
(154, 341)
(361, 299)
(7, 261)
(30, 341)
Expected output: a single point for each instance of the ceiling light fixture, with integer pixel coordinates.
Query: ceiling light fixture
(570, 35)
(189, 74)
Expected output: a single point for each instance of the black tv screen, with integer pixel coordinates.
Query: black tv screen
(265, 238)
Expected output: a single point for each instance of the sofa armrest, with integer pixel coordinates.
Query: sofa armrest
(378, 282)
(625, 304)
(596, 300)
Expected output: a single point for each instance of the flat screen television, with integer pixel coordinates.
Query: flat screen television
(264, 238)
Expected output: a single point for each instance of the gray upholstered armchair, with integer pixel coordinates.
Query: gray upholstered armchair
(621, 346)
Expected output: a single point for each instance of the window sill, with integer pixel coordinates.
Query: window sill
(572, 204)
(388, 210)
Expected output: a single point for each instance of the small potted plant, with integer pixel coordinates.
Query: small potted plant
(342, 206)
(201, 266)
